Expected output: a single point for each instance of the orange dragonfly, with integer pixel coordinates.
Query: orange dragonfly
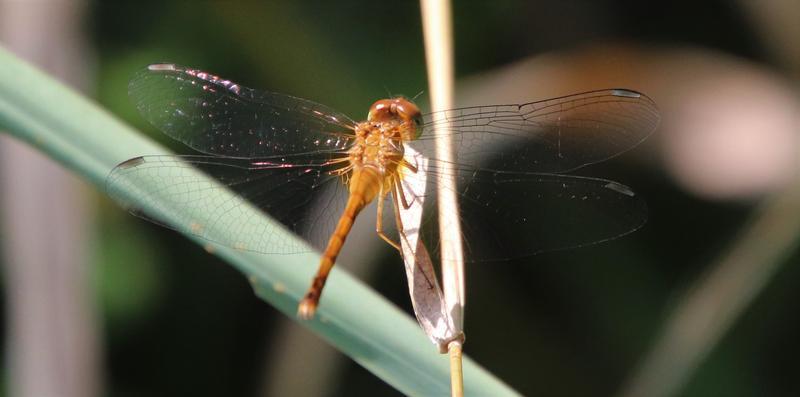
(314, 169)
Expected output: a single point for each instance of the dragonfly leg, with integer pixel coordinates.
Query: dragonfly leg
(337, 161)
(398, 191)
(379, 221)
(413, 168)
(341, 171)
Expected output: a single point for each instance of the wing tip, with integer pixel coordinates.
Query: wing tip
(622, 92)
(130, 163)
(619, 188)
(160, 67)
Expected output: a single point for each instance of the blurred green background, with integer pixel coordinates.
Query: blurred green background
(169, 319)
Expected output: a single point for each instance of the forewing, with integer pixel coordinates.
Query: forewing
(217, 116)
(153, 186)
(551, 136)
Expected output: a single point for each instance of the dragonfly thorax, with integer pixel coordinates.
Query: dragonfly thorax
(377, 151)
(378, 145)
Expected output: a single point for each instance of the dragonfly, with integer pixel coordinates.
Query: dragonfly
(314, 169)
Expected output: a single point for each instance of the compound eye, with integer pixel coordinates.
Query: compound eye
(418, 125)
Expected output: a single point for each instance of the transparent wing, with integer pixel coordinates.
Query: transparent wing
(518, 215)
(509, 162)
(275, 153)
(550, 136)
(217, 116)
(511, 215)
(178, 185)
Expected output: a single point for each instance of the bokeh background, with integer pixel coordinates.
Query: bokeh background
(701, 301)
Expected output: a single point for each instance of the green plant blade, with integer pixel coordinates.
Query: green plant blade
(88, 140)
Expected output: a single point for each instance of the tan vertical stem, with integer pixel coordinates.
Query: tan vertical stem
(438, 33)
(456, 373)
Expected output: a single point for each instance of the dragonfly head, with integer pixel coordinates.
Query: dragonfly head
(400, 109)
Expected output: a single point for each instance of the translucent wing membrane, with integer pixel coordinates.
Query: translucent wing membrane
(217, 116)
(283, 156)
(508, 162)
(508, 215)
(505, 215)
(285, 191)
(551, 136)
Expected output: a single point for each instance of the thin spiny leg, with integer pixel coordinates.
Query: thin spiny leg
(337, 160)
(398, 185)
(413, 168)
(342, 171)
(398, 221)
(379, 221)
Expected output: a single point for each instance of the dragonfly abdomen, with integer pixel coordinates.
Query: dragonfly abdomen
(365, 184)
